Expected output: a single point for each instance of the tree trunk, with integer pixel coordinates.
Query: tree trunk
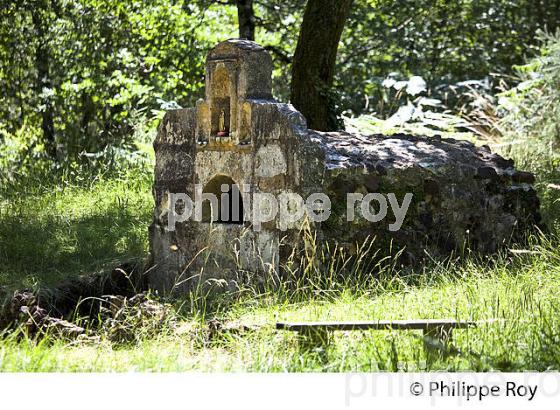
(42, 62)
(246, 17)
(314, 62)
(88, 113)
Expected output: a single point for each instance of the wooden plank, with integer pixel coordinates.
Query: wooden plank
(378, 325)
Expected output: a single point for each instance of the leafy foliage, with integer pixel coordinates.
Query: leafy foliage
(532, 108)
(105, 60)
(86, 70)
(443, 42)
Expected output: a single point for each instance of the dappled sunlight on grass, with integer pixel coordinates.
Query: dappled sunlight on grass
(522, 293)
(53, 233)
(50, 236)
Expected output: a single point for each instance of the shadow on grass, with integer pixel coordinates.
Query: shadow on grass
(43, 250)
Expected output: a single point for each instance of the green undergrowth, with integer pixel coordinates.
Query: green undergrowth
(521, 291)
(75, 224)
(70, 226)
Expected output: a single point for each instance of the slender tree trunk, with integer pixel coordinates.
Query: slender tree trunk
(42, 63)
(246, 17)
(314, 61)
(88, 113)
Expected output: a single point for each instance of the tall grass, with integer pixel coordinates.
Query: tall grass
(239, 333)
(81, 219)
(53, 233)
(72, 221)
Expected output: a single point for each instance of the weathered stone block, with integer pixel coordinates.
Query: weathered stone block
(241, 140)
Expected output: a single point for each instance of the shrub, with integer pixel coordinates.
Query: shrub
(532, 108)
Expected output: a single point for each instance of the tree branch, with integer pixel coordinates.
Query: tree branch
(279, 53)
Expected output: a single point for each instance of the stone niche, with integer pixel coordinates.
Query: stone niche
(237, 72)
(238, 137)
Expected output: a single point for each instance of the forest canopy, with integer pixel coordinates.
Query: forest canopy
(80, 75)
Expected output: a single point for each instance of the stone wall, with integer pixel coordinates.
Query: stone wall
(462, 196)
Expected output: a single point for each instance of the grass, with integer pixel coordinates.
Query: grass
(61, 229)
(67, 229)
(523, 291)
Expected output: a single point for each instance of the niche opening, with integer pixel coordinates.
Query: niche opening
(221, 117)
(222, 201)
